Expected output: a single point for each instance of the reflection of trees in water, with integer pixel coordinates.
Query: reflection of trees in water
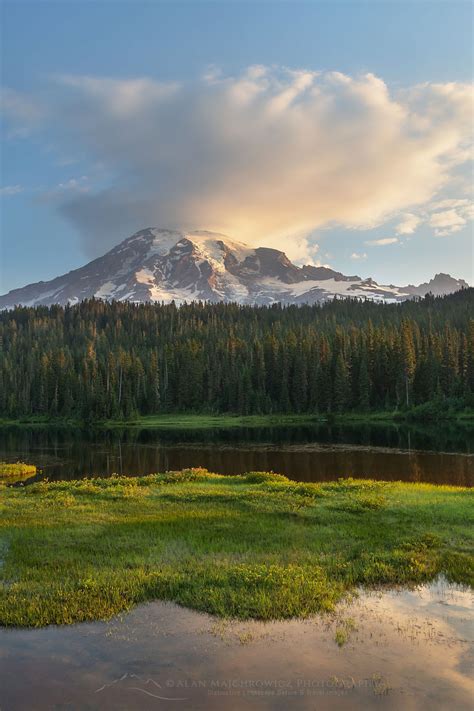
(70, 453)
(448, 437)
(417, 472)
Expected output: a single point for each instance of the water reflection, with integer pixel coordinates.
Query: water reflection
(318, 453)
(406, 650)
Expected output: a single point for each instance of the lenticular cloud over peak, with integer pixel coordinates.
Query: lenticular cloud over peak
(270, 154)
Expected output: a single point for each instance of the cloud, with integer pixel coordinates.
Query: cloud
(381, 242)
(11, 190)
(408, 224)
(447, 222)
(451, 203)
(267, 156)
(446, 217)
(358, 256)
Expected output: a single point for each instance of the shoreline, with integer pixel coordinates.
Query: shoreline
(231, 421)
(255, 546)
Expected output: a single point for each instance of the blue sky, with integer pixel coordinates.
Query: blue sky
(69, 192)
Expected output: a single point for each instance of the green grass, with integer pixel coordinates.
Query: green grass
(343, 631)
(254, 546)
(226, 421)
(177, 421)
(14, 472)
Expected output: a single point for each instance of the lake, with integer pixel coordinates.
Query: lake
(408, 649)
(440, 455)
(403, 649)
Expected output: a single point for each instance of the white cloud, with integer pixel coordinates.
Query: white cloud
(446, 217)
(11, 190)
(267, 156)
(358, 256)
(450, 203)
(381, 242)
(447, 222)
(408, 224)
(451, 220)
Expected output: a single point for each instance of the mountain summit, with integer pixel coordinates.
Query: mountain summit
(170, 265)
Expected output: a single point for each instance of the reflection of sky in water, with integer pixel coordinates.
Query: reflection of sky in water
(409, 650)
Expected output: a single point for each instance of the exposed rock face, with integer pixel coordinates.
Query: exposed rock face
(440, 285)
(167, 265)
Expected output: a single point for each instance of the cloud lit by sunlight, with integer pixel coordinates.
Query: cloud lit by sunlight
(267, 157)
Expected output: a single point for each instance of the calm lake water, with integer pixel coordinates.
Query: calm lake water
(407, 649)
(410, 650)
(443, 455)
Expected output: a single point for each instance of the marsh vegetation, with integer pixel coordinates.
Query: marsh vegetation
(252, 546)
(14, 471)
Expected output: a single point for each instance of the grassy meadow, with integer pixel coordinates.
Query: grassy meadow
(252, 546)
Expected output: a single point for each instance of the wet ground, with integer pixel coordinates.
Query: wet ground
(400, 651)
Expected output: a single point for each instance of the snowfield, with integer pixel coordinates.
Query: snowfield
(181, 266)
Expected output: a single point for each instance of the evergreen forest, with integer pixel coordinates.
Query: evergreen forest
(99, 360)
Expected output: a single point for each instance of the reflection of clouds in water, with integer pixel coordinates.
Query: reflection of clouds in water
(432, 628)
(438, 604)
(406, 649)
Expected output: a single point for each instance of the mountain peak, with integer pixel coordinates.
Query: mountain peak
(165, 265)
(440, 285)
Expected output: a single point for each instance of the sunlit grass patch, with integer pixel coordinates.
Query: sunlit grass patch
(16, 471)
(343, 631)
(253, 546)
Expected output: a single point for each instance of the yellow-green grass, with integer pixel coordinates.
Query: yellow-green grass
(16, 471)
(252, 546)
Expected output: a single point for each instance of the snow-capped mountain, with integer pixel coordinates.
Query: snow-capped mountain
(169, 265)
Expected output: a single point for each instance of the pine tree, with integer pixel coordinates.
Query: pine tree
(341, 384)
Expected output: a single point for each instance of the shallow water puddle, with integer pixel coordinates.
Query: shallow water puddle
(400, 650)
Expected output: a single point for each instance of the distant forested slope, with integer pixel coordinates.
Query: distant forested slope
(102, 360)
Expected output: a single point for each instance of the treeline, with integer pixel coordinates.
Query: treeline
(100, 360)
